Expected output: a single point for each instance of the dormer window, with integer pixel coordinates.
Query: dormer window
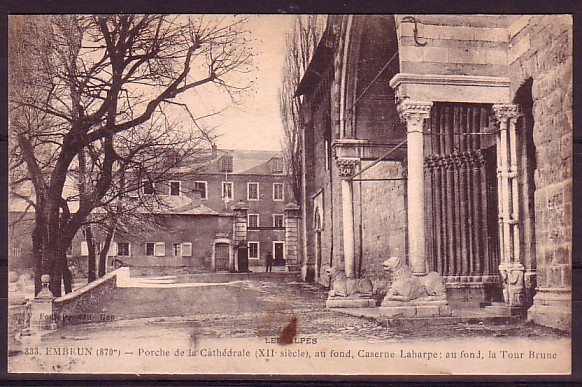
(226, 164)
(277, 165)
(174, 188)
(148, 188)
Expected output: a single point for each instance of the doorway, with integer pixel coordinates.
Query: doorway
(279, 253)
(221, 256)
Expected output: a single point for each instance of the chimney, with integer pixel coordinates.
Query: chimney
(196, 197)
(214, 150)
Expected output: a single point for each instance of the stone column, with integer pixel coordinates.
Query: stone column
(347, 167)
(414, 114)
(511, 267)
(292, 218)
(240, 230)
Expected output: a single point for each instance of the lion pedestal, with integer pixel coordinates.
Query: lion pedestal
(412, 296)
(349, 292)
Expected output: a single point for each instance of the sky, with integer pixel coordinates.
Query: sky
(256, 122)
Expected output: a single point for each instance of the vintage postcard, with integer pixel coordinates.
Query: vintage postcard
(290, 194)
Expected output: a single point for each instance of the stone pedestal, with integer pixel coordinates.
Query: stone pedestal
(240, 231)
(292, 218)
(350, 303)
(552, 308)
(41, 308)
(413, 309)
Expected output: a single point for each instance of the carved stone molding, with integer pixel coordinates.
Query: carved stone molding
(512, 275)
(414, 112)
(347, 166)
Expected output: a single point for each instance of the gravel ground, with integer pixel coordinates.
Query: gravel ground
(251, 308)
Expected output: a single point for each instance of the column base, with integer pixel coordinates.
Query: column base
(292, 268)
(419, 309)
(552, 308)
(350, 303)
(308, 273)
(473, 294)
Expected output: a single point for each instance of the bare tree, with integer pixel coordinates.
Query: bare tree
(105, 86)
(300, 46)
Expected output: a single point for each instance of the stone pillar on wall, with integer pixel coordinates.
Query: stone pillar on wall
(511, 267)
(347, 167)
(240, 231)
(40, 313)
(414, 114)
(292, 219)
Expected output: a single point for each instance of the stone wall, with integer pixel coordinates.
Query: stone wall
(382, 216)
(71, 308)
(455, 45)
(541, 49)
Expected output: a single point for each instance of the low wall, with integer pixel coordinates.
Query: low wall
(71, 308)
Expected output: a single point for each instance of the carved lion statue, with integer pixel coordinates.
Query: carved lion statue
(407, 287)
(343, 286)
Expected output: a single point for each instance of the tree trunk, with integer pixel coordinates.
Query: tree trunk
(91, 262)
(67, 275)
(104, 253)
(56, 274)
(37, 251)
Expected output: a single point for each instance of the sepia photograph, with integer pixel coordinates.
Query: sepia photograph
(300, 194)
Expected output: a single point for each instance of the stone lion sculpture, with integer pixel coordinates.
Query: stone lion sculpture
(343, 286)
(406, 287)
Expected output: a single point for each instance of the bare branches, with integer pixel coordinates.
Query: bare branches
(102, 86)
(300, 46)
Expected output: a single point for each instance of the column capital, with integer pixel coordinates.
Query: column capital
(506, 111)
(414, 112)
(347, 166)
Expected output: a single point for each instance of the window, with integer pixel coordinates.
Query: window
(201, 186)
(157, 249)
(17, 251)
(160, 249)
(253, 220)
(174, 188)
(278, 191)
(254, 250)
(177, 249)
(187, 249)
(277, 165)
(227, 190)
(252, 191)
(123, 249)
(226, 164)
(278, 220)
(148, 188)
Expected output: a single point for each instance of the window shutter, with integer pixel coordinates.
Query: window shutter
(160, 249)
(84, 249)
(187, 249)
(112, 249)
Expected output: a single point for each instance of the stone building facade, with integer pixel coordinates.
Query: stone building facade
(237, 202)
(445, 139)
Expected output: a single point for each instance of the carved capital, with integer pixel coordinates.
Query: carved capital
(414, 112)
(506, 111)
(512, 275)
(347, 166)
